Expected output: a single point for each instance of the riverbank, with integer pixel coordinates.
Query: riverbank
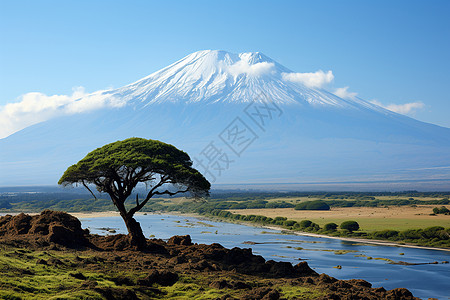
(356, 240)
(86, 215)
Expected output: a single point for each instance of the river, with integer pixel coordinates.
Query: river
(322, 254)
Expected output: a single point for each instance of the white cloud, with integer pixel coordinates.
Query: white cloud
(33, 108)
(344, 93)
(405, 109)
(258, 69)
(316, 80)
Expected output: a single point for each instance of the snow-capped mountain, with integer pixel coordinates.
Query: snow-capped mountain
(241, 120)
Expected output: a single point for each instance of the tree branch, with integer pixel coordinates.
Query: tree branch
(85, 185)
(150, 194)
(167, 192)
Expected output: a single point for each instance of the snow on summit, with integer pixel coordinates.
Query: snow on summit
(212, 76)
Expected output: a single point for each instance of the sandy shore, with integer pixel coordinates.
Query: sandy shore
(85, 215)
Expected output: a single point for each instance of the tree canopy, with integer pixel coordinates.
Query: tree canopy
(117, 168)
(350, 226)
(313, 205)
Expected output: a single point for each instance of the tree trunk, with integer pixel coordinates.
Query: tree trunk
(137, 238)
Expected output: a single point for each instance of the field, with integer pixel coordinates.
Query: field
(369, 218)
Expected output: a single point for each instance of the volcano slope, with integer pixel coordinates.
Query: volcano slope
(264, 128)
(50, 255)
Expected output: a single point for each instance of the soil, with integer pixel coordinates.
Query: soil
(164, 263)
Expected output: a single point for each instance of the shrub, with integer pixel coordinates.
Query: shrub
(312, 205)
(441, 210)
(330, 226)
(412, 234)
(385, 234)
(350, 226)
(305, 223)
(289, 223)
(432, 232)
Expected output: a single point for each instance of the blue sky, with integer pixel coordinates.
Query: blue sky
(393, 52)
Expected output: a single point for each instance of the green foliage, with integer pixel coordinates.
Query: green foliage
(350, 226)
(385, 234)
(313, 205)
(330, 227)
(441, 210)
(305, 223)
(118, 167)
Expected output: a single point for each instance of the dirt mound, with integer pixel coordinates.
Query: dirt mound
(49, 226)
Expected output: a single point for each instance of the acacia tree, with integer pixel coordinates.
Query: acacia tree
(117, 168)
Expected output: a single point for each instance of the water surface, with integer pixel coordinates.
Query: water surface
(322, 254)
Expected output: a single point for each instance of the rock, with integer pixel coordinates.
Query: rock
(41, 262)
(380, 290)
(164, 278)
(184, 240)
(341, 284)
(281, 269)
(115, 293)
(19, 224)
(303, 269)
(239, 285)
(223, 284)
(78, 275)
(47, 227)
(220, 284)
(55, 262)
(262, 293)
(89, 284)
(180, 259)
(324, 278)
(399, 294)
(359, 282)
(202, 265)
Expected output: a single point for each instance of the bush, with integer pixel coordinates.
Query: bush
(289, 223)
(385, 234)
(441, 210)
(432, 232)
(330, 226)
(312, 205)
(305, 223)
(350, 226)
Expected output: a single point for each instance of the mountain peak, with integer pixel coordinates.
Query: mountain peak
(213, 76)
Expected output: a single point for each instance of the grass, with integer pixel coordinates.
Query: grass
(369, 219)
(24, 278)
(374, 224)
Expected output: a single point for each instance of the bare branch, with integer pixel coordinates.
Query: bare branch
(150, 194)
(86, 186)
(167, 192)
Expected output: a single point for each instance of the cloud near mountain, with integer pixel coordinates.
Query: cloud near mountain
(318, 79)
(405, 109)
(33, 108)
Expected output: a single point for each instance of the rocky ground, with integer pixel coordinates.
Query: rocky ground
(50, 255)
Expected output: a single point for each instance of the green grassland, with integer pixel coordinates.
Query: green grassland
(69, 274)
